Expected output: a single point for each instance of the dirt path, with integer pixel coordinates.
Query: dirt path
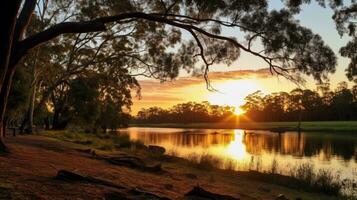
(28, 173)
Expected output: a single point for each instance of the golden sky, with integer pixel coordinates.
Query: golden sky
(231, 86)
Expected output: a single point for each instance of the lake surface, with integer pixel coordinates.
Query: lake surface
(258, 150)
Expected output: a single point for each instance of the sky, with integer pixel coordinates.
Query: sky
(246, 75)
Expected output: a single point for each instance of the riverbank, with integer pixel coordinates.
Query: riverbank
(329, 126)
(29, 171)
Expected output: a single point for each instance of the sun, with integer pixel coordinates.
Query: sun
(239, 111)
(232, 93)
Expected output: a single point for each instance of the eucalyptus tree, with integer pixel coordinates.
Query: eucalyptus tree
(164, 36)
(346, 23)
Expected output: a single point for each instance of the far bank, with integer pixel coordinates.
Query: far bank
(329, 126)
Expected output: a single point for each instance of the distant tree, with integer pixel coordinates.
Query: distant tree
(343, 103)
(18, 97)
(254, 105)
(304, 105)
(189, 112)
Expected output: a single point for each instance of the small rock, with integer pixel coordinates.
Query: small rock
(264, 189)
(5, 193)
(281, 197)
(157, 149)
(115, 196)
(191, 176)
(168, 186)
(199, 193)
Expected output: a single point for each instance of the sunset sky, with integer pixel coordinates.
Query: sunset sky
(247, 75)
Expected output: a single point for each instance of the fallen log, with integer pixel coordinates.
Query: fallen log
(199, 193)
(65, 175)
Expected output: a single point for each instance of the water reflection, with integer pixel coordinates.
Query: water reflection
(237, 148)
(335, 151)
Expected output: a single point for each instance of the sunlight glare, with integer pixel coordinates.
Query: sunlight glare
(232, 93)
(237, 149)
(238, 111)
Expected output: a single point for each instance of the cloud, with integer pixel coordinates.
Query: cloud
(195, 80)
(180, 90)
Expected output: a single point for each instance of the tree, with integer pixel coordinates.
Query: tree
(346, 23)
(153, 29)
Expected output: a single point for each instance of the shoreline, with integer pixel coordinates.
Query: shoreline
(317, 126)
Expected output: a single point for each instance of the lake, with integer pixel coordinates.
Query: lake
(257, 150)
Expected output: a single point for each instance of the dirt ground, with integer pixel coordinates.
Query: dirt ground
(28, 173)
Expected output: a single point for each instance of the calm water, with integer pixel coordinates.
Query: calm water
(257, 149)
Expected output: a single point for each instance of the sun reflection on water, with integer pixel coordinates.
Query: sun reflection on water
(246, 149)
(237, 149)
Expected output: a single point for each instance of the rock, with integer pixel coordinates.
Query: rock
(281, 197)
(70, 176)
(199, 193)
(115, 196)
(191, 176)
(5, 193)
(156, 149)
(139, 194)
(133, 194)
(168, 186)
(84, 150)
(134, 163)
(264, 189)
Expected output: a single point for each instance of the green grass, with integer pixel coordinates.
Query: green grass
(101, 141)
(275, 126)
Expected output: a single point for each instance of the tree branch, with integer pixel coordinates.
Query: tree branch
(99, 25)
(24, 19)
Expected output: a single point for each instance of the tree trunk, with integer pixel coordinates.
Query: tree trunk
(30, 111)
(47, 123)
(3, 147)
(8, 14)
(4, 94)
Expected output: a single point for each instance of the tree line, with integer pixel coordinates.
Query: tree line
(321, 104)
(189, 112)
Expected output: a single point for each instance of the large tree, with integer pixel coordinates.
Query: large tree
(152, 43)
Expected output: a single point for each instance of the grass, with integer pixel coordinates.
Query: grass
(101, 141)
(322, 180)
(274, 126)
